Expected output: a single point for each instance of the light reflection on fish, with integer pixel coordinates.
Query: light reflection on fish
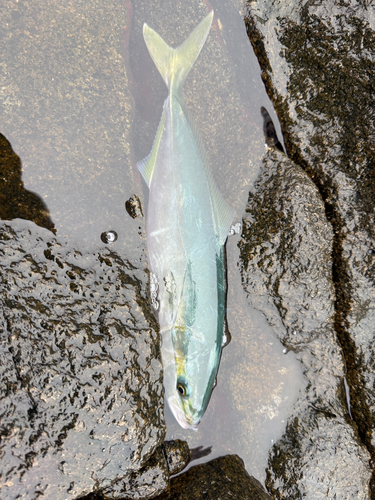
(187, 225)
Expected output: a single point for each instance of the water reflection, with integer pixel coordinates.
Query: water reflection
(66, 109)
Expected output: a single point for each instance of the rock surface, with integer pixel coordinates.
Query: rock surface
(224, 478)
(177, 454)
(169, 458)
(318, 67)
(286, 271)
(81, 379)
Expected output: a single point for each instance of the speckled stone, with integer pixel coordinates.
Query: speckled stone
(81, 391)
(287, 274)
(317, 62)
(224, 478)
(177, 454)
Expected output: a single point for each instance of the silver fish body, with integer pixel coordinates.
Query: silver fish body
(187, 225)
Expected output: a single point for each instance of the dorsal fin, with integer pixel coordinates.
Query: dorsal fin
(146, 165)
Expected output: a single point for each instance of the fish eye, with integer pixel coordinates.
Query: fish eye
(183, 388)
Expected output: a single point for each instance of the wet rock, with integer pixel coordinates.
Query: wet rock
(224, 478)
(318, 65)
(177, 454)
(145, 483)
(286, 255)
(133, 207)
(269, 131)
(80, 379)
(169, 458)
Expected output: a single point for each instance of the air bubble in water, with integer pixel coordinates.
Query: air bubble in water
(108, 237)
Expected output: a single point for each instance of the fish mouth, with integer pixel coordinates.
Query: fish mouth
(180, 417)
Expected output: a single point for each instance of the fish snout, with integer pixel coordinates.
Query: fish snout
(180, 417)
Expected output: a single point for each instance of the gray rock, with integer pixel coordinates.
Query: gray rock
(286, 271)
(224, 478)
(169, 458)
(177, 454)
(80, 378)
(144, 483)
(317, 63)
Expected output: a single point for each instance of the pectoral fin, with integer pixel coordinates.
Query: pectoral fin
(171, 289)
(188, 300)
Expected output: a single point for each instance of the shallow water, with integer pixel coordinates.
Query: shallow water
(80, 105)
(66, 112)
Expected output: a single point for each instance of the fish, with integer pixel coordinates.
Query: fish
(187, 224)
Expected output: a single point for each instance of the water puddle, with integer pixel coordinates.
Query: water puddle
(66, 113)
(81, 102)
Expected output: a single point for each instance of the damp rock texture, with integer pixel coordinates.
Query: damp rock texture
(168, 459)
(177, 454)
(318, 64)
(224, 478)
(286, 262)
(81, 392)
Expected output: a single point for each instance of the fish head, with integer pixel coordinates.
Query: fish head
(193, 381)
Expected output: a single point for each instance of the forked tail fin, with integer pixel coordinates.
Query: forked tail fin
(175, 64)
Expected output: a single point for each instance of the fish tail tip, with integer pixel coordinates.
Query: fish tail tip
(175, 64)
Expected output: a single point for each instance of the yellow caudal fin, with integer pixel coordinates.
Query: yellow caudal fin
(175, 64)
